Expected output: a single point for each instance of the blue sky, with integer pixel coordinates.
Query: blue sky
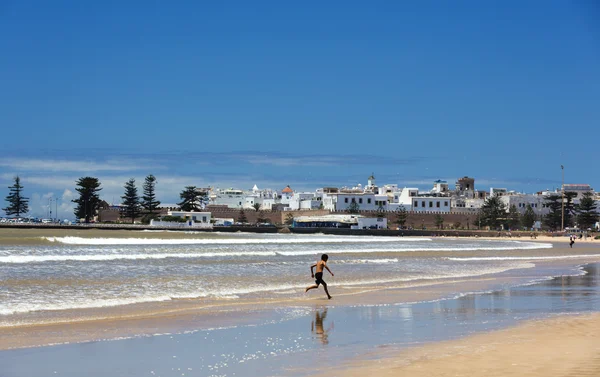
(310, 94)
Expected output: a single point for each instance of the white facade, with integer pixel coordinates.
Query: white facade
(341, 221)
(366, 201)
(520, 201)
(440, 187)
(232, 198)
(194, 220)
(406, 196)
(430, 204)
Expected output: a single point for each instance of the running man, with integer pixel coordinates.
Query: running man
(320, 265)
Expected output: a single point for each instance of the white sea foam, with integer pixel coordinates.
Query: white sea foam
(74, 303)
(15, 259)
(214, 241)
(405, 249)
(554, 257)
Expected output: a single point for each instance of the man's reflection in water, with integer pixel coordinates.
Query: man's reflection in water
(317, 327)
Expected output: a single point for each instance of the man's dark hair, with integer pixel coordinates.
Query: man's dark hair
(324, 257)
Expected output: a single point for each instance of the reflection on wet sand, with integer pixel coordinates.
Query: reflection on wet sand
(317, 328)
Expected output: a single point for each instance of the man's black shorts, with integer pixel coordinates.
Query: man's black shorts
(319, 278)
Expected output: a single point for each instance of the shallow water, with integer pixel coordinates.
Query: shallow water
(298, 341)
(41, 273)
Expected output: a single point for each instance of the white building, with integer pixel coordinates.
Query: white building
(440, 188)
(520, 201)
(431, 204)
(193, 220)
(340, 221)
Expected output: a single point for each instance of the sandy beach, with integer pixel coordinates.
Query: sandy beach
(474, 317)
(562, 346)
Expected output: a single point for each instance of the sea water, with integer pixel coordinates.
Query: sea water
(62, 273)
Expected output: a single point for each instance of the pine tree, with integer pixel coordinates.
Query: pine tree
(380, 211)
(514, 217)
(553, 218)
(193, 199)
(131, 201)
(493, 212)
(587, 216)
(570, 208)
(89, 200)
(401, 216)
(17, 203)
(439, 221)
(149, 202)
(528, 218)
(353, 208)
(260, 218)
(242, 217)
(289, 219)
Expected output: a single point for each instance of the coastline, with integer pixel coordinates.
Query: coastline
(535, 330)
(565, 345)
(177, 316)
(432, 312)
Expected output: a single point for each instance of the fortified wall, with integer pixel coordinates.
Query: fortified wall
(464, 219)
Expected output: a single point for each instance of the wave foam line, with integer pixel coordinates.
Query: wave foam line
(531, 246)
(233, 292)
(18, 259)
(207, 241)
(524, 258)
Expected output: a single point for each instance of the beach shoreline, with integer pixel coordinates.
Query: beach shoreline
(564, 345)
(386, 302)
(177, 316)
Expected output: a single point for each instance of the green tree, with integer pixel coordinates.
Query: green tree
(587, 216)
(256, 206)
(380, 211)
(439, 221)
(242, 217)
(514, 217)
(401, 216)
(553, 218)
(529, 217)
(570, 212)
(131, 201)
(192, 199)
(17, 203)
(493, 212)
(260, 218)
(89, 200)
(289, 219)
(353, 208)
(149, 202)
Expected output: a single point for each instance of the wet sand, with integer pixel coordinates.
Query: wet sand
(563, 346)
(71, 326)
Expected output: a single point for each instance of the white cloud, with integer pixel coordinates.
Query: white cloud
(23, 164)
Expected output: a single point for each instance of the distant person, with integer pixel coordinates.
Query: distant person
(572, 241)
(320, 265)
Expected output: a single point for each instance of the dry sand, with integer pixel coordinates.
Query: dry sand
(558, 347)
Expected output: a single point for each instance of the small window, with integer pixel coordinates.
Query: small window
(203, 219)
(446, 204)
(437, 204)
(353, 200)
(423, 204)
(430, 204)
(360, 200)
(416, 204)
(345, 200)
(369, 200)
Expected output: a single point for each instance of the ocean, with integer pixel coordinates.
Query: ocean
(113, 268)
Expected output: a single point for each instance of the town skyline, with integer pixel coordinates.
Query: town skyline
(44, 191)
